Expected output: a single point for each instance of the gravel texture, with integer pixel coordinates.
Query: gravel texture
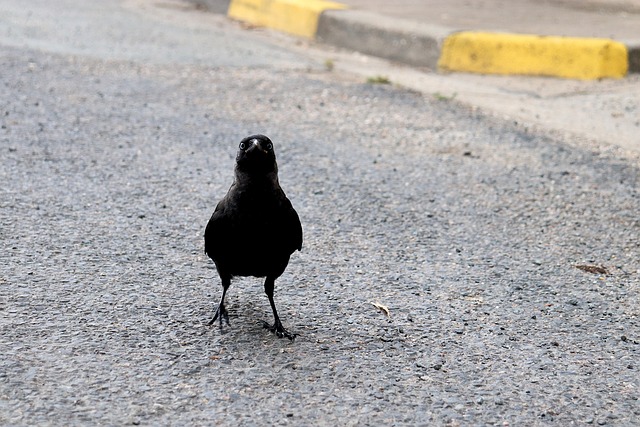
(467, 229)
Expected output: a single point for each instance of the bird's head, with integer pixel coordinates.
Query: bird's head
(256, 156)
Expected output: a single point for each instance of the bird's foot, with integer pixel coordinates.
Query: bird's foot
(221, 314)
(279, 330)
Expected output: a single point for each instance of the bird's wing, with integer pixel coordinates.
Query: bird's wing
(216, 227)
(294, 227)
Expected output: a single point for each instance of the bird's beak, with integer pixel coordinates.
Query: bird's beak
(256, 144)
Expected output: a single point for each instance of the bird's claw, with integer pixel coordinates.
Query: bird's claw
(279, 330)
(221, 314)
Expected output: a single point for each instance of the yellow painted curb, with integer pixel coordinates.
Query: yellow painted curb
(495, 53)
(299, 17)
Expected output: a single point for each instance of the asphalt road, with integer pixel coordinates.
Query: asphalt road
(467, 228)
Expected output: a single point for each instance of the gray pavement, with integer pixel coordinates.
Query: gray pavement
(467, 227)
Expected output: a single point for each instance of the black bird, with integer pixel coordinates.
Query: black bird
(254, 228)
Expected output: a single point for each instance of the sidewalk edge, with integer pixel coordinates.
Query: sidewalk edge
(432, 46)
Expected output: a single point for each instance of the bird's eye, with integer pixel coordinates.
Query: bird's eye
(269, 146)
(243, 145)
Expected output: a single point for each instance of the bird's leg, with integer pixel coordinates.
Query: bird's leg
(277, 327)
(221, 311)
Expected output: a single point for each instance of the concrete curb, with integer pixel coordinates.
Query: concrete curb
(528, 54)
(390, 38)
(438, 47)
(297, 17)
(215, 6)
(633, 50)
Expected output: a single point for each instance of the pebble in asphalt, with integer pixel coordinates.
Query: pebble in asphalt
(468, 229)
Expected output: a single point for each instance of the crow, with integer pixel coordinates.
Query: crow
(254, 228)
